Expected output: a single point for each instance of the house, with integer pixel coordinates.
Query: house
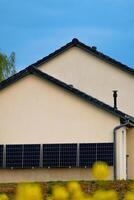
(58, 117)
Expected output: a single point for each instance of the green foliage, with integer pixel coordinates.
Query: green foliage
(7, 66)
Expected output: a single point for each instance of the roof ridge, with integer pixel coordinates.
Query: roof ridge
(106, 57)
(94, 51)
(74, 42)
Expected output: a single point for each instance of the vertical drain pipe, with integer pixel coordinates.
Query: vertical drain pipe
(114, 135)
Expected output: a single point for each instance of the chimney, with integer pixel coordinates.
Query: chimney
(115, 98)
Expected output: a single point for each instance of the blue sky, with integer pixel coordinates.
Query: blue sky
(35, 28)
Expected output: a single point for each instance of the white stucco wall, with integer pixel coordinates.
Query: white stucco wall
(93, 76)
(121, 154)
(130, 153)
(41, 175)
(35, 111)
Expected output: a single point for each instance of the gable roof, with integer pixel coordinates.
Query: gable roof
(92, 50)
(82, 95)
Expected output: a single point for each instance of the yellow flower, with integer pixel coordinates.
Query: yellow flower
(73, 187)
(131, 186)
(59, 193)
(3, 197)
(100, 195)
(75, 191)
(49, 198)
(129, 196)
(26, 191)
(111, 195)
(79, 195)
(87, 197)
(100, 170)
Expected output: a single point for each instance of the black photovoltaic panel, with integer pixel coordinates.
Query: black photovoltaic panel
(68, 155)
(1, 156)
(14, 156)
(57, 155)
(87, 154)
(51, 155)
(31, 155)
(105, 152)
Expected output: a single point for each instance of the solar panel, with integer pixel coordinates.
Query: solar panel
(14, 156)
(87, 154)
(1, 156)
(51, 155)
(68, 155)
(105, 152)
(31, 155)
(57, 155)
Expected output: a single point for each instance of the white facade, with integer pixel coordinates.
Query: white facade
(93, 76)
(35, 110)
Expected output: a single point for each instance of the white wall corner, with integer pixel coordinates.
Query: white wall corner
(121, 153)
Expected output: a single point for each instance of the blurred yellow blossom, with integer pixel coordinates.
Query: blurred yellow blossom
(131, 186)
(73, 187)
(100, 170)
(72, 190)
(27, 191)
(78, 195)
(100, 195)
(111, 195)
(129, 196)
(3, 197)
(59, 193)
(105, 195)
(87, 197)
(49, 198)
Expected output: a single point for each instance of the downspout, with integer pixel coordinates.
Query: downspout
(114, 135)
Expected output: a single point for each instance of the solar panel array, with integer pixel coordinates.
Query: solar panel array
(55, 155)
